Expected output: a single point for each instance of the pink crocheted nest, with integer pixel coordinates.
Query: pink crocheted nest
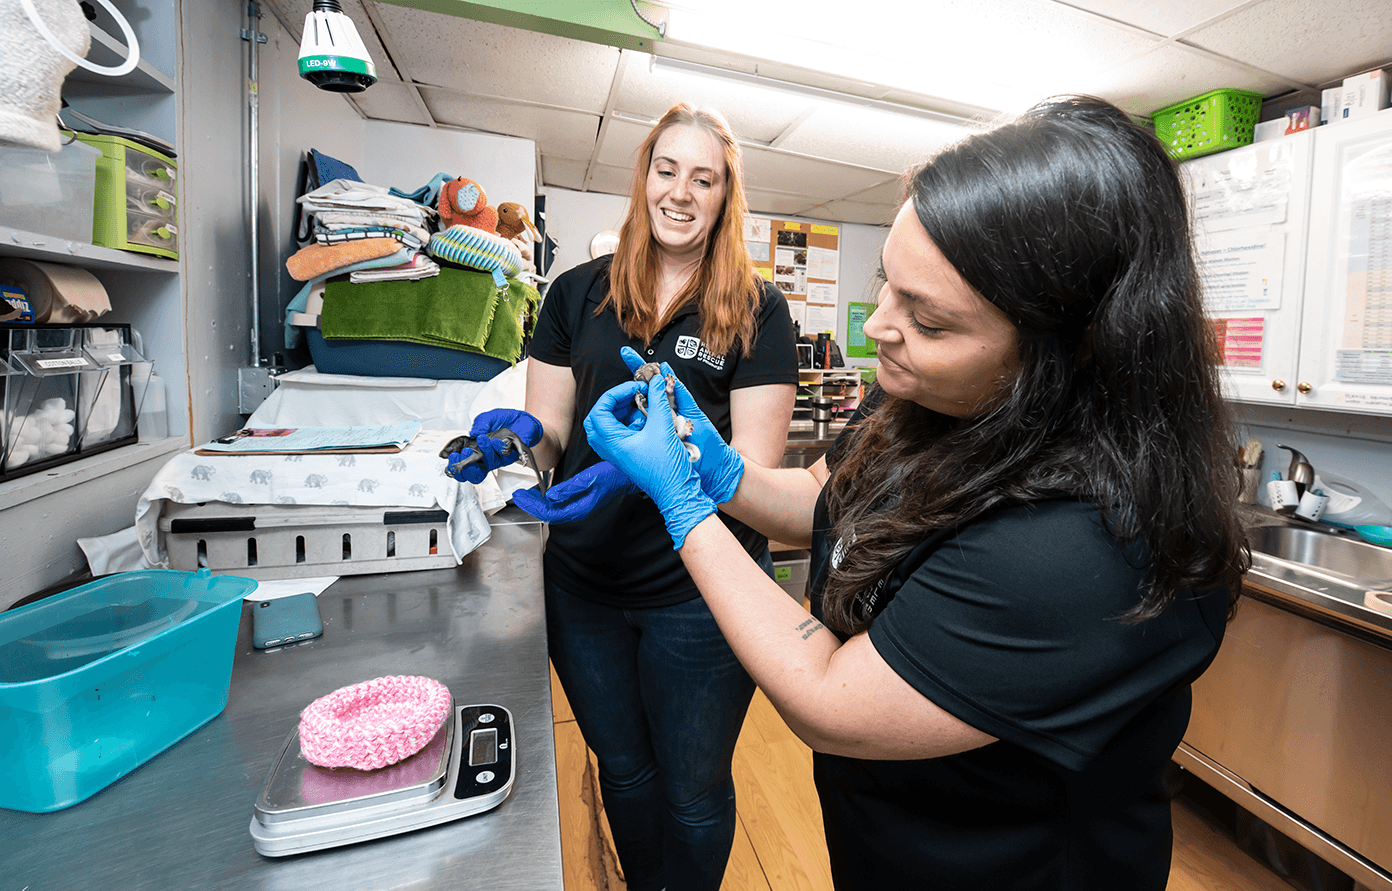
(373, 724)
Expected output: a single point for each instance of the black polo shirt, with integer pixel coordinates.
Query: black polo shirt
(622, 555)
(1009, 622)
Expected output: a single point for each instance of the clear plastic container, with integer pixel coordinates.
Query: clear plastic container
(98, 680)
(49, 193)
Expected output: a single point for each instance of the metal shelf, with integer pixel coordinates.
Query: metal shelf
(27, 488)
(34, 246)
(108, 51)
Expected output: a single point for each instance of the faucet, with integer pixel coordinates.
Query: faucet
(1300, 472)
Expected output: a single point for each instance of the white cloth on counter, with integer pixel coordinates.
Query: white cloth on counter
(118, 552)
(413, 477)
(307, 398)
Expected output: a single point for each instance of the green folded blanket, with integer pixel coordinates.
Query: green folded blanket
(459, 309)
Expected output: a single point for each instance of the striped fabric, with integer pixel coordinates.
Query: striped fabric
(477, 249)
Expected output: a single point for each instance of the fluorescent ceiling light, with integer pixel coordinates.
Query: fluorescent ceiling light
(947, 49)
(758, 81)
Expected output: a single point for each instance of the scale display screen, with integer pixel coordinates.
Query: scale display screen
(483, 747)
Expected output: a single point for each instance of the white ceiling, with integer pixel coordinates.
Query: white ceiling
(588, 106)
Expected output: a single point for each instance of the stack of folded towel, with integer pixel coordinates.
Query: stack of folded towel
(356, 221)
(385, 296)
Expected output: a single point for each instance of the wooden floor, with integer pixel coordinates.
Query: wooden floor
(779, 844)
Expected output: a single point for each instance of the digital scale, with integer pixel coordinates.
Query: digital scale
(467, 768)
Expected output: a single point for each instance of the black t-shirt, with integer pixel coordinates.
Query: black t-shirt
(622, 555)
(1010, 624)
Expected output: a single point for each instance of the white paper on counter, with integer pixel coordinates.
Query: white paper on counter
(273, 589)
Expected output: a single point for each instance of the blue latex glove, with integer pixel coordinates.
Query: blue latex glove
(519, 422)
(720, 467)
(653, 456)
(578, 497)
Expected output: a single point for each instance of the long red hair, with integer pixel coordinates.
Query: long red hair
(726, 286)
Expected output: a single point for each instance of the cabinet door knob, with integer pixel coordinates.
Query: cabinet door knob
(1278, 385)
(1303, 387)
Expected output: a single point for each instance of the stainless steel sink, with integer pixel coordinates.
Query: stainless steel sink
(1337, 557)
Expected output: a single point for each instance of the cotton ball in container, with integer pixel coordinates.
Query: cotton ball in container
(19, 455)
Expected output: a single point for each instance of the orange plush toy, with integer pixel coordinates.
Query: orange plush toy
(513, 221)
(463, 203)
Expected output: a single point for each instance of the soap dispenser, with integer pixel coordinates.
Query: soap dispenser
(1300, 472)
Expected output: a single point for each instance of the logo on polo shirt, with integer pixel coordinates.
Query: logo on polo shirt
(689, 347)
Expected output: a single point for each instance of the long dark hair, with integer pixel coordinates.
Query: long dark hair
(726, 284)
(1072, 220)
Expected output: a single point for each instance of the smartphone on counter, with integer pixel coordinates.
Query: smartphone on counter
(285, 620)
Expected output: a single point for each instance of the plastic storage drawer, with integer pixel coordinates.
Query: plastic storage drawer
(98, 680)
(136, 198)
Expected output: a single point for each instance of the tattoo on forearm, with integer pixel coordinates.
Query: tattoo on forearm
(809, 628)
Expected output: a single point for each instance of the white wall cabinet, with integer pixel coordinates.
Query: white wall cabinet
(1251, 207)
(1346, 327)
(1295, 243)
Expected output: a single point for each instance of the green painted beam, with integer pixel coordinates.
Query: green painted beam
(607, 22)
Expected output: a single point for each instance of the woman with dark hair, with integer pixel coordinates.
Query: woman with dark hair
(1024, 544)
(656, 691)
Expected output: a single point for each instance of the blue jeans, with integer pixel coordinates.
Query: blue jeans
(660, 699)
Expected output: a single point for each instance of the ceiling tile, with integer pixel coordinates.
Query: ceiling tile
(1334, 39)
(1173, 73)
(570, 134)
(797, 175)
(619, 148)
(778, 203)
(390, 100)
(758, 115)
(494, 60)
(890, 193)
(611, 180)
(849, 211)
(565, 173)
(1167, 19)
(870, 138)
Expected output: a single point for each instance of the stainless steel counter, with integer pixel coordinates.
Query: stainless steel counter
(1320, 573)
(181, 820)
(1289, 721)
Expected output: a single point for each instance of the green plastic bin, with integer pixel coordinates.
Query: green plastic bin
(1214, 122)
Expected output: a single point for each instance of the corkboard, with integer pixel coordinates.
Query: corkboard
(804, 260)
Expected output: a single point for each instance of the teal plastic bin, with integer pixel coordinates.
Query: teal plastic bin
(98, 680)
